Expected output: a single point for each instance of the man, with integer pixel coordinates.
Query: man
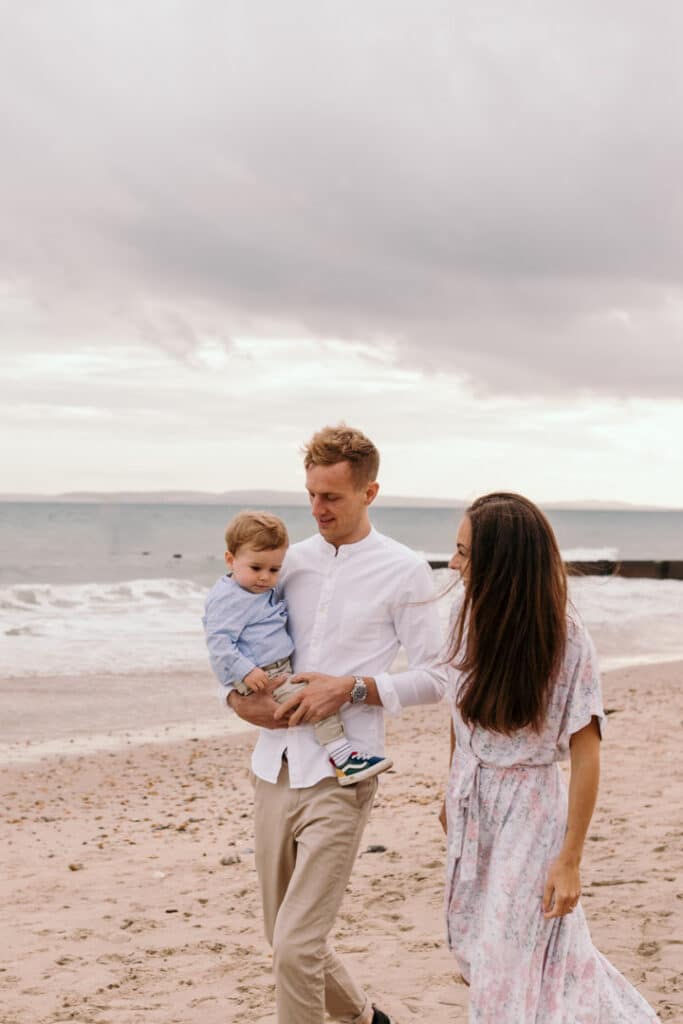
(354, 597)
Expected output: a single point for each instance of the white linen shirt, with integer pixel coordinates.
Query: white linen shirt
(350, 610)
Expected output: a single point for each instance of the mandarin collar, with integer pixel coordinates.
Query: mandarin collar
(348, 550)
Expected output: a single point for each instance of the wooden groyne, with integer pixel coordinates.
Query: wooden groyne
(645, 570)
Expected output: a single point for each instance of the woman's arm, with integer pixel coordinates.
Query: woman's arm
(442, 812)
(563, 885)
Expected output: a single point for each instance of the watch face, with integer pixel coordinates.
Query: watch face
(359, 692)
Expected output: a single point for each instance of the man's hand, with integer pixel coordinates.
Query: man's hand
(259, 708)
(323, 696)
(256, 680)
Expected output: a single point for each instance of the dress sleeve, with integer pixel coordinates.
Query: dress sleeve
(585, 692)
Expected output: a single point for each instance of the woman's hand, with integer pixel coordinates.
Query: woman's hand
(563, 885)
(443, 818)
(562, 888)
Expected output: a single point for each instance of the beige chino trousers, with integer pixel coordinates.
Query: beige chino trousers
(306, 841)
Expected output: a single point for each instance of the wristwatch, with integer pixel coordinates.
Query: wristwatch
(359, 691)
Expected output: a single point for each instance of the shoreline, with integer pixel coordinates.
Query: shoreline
(210, 723)
(29, 752)
(129, 881)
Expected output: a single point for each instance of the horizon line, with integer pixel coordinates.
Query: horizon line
(294, 498)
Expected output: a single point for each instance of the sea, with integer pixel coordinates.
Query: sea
(108, 589)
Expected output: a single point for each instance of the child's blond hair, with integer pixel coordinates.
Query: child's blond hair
(261, 531)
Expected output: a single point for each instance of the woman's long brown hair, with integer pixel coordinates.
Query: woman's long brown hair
(510, 634)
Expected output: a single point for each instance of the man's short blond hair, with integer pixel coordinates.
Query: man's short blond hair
(261, 531)
(344, 444)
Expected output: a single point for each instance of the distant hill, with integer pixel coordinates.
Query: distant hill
(260, 499)
(246, 499)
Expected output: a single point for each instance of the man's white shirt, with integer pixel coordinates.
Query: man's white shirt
(350, 610)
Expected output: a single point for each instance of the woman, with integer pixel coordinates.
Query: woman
(525, 694)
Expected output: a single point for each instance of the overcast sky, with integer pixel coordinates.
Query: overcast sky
(458, 226)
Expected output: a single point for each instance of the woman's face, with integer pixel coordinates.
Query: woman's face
(463, 541)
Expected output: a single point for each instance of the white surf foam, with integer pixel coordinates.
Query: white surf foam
(590, 554)
(155, 625)
(65, 629)
(604, 554)
(632, 621)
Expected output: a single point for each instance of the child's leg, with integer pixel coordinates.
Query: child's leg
(329, 733)
(350, 766)
(286, 690)
(242, 688)
(329, 730)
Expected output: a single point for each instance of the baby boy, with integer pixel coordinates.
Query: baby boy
(245, 622)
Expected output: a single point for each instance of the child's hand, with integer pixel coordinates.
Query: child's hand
(256, 680)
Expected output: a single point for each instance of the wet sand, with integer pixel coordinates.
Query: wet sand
(129, 892)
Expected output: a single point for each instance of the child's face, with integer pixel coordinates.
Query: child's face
(256, 571)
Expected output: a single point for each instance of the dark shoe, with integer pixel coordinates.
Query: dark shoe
(378, 1017)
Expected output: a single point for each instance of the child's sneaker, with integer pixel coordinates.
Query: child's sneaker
(360, 766)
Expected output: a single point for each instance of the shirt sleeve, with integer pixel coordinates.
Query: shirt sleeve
(223, 691)
(416, 621)
(585, 694)
(222, 628)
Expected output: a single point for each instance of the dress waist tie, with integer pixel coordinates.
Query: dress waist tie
(463, 826)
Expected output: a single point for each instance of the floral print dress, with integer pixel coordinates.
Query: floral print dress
(506, 805)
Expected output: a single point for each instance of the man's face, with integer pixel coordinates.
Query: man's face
(339, 505)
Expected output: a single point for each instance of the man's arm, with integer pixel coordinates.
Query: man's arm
(323, 696)
(259, 708)
(416, 620)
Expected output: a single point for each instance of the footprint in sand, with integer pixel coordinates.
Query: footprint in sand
(648, 948)
(136, 926)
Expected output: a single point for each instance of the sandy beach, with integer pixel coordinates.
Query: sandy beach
(129, 892)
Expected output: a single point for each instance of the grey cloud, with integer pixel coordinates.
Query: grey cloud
(497, 194)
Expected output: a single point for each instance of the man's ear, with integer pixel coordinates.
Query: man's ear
(229, 559)
(371, 492)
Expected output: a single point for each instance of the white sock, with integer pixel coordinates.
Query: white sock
(339, 750)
